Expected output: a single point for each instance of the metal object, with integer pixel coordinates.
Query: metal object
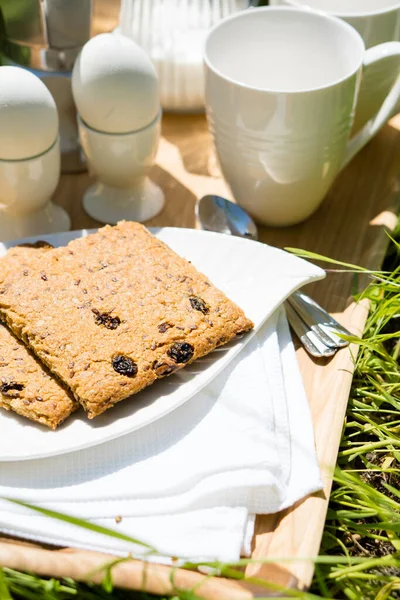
(321, 322)
(311, 342)
(316, 329)
(47, 35)
(223, 216)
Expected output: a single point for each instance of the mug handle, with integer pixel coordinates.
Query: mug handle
(381, 73)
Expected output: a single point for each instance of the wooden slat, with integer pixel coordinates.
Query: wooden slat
(84, 565)
(349, 226)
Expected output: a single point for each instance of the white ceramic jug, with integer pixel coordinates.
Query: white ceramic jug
(173, 33)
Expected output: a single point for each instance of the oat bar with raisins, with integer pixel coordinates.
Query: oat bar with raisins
(111, 313)
(26, 386)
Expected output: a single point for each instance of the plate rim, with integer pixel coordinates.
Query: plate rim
(319, 274)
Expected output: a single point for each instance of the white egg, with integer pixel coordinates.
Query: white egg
(115, 85)
(28, 115)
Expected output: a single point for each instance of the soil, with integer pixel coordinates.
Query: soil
(393, 326)
(377, 479)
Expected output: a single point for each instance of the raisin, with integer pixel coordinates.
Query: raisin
(11, 386)
(181, 352)
(38, 244)
(162, 369)
(106, 319)
(199, 304)
(124, 365)
(162, 328)
(43, 276)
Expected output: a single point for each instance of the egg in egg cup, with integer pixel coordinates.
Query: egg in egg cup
(115, 88)
(29, 157)
(121, 163)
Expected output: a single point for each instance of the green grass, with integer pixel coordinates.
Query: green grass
(360, 552)
(364, 511)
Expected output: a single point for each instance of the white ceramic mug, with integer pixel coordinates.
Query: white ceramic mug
(281, 90)
(377, 21)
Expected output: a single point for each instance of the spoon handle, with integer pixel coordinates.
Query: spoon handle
(319, 320)
(308, 338)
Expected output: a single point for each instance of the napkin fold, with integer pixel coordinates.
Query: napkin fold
(190, 483)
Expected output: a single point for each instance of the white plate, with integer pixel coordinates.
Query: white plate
(256, 276)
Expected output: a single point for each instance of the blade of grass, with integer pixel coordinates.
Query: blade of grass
(4, 591)
(314, 256)
(83, 524)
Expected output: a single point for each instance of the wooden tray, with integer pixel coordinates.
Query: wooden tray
(349, 226)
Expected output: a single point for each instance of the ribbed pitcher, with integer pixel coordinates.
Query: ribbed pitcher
(173, 33)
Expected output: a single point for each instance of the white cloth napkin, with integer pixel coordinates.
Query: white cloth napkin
(190, 483)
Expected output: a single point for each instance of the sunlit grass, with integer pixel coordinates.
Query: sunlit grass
(364, 512)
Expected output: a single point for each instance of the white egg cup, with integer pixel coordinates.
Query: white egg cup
(121, 163)
(26, 187)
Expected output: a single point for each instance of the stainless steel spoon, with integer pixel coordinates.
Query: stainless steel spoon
(218, 214)
(223, 216)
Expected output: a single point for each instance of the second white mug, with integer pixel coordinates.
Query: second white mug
(280, 102)
(377, 21)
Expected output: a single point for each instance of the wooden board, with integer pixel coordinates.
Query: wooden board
(349, 226)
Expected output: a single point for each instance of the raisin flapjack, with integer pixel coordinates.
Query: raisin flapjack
(111, 313)
(26, 386)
